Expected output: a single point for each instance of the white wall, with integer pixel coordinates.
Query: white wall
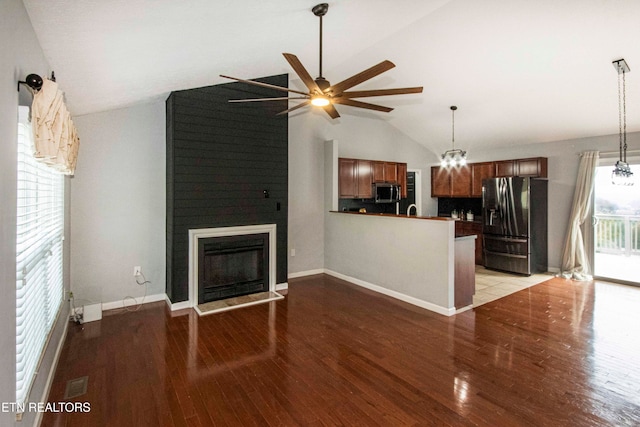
(118, 204)
(358, 137)
(20, 55)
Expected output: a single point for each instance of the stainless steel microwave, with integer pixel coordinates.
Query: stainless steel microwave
(386, 193)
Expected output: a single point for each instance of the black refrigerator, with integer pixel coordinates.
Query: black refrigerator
(514, 218)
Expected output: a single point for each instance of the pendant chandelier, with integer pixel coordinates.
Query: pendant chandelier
(622, 174)
(455, 156)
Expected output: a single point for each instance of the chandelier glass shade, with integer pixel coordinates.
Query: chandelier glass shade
(622, 174)
(454, 157)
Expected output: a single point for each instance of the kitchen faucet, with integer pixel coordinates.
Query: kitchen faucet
(409, 209)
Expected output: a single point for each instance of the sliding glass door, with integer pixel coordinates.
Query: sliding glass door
(616, 226)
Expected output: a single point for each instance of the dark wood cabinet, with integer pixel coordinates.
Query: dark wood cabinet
(440, 182)
(386, 172)
(464, 228)
(354, 178)
(535, 167)
(480, 171)
(460, 181)
(364, 179)
(402, 179)
(465, 273)
(450, 182)
(505, 168)
(347, 178)
(467, 180)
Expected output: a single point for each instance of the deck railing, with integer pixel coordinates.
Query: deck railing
(617, 234)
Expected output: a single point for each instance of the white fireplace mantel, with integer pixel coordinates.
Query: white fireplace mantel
(205, 233)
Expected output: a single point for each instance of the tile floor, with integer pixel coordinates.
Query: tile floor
(491, 285)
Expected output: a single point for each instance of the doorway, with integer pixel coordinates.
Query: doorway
(616, 227)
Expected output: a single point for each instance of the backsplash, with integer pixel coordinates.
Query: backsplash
(446, 205)
(369, 205)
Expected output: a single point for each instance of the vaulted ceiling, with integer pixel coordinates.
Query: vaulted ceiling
(520, 71)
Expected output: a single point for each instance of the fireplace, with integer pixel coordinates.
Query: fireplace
(232, 266)
(227, 262)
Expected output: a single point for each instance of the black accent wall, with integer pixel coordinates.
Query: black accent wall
(221, 157)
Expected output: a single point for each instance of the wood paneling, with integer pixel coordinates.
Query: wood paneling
(560, 353)
(220, 158)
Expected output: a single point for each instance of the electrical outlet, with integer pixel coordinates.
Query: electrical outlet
(293, 252)
(137, 270)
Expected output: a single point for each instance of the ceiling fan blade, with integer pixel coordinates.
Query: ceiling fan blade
(359, 104)
(267, 99)
(302, 104)
(253, 82)
(381, 92)
(302, 72)
(331, 111)
(365, 75)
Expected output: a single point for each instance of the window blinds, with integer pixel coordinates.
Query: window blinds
(40, 231)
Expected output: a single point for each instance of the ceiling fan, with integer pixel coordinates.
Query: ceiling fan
(321, 93)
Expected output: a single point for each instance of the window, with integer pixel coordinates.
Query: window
(40, 231)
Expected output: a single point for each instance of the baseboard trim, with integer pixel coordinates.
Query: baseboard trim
(282, 286)
(394, 294)
(129, 301)
(306, 273)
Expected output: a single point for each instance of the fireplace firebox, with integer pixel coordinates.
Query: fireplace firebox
(232, 266)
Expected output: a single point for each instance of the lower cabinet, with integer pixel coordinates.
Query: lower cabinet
(472, 227)
(465, 273)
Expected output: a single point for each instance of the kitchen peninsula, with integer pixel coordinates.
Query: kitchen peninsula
(419, 260)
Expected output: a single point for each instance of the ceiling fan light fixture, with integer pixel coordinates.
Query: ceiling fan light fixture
(320, 101)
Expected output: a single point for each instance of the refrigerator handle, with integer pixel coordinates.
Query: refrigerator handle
(492, 214)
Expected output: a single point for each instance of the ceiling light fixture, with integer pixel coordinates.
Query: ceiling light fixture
(320, 101)
(622, 174)
(455, 156)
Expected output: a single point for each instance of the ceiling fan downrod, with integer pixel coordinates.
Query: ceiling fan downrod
(320, 10)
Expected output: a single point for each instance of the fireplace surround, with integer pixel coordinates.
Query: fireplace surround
(238, 245)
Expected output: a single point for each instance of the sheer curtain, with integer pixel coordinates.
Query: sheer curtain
(575, 259)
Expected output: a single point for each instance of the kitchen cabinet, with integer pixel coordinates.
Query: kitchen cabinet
(533, 167)
(464, 228)
(402, 179)
(505, 168)
(450, 182)
(355, 178)
(480, 171)
(467, 180)
(465, 273)
(386, 172)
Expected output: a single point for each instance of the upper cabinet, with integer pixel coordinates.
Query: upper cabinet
(535, 167)
(355, 178)
(357, 175)
(480, 171)
(467, 180)
(385, 171)
(450, 182)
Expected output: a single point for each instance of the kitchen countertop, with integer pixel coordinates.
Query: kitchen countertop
(437, 218)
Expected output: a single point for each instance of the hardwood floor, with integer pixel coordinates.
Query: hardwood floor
(560, 353)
